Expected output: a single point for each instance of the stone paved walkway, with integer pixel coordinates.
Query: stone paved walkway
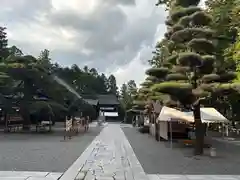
(109, 157)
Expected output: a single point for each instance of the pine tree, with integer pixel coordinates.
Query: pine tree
(124, 96)
(112, 85)
(3, 44)
(104, 81)
(190, 74)
(15, 51)
(132, 88)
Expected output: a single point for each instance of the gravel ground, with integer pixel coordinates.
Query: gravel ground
(158, 157)
(42, 152)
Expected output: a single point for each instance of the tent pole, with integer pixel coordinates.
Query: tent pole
(171, 132)
(226, 129)
(222, 129)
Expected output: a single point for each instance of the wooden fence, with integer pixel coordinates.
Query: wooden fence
(75, 125)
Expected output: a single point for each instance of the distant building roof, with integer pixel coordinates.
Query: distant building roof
(108, 99)
(91, 101)
(40, 98)
(102, 99)
(89, 96)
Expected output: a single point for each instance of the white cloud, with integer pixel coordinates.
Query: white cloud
(81, 7)
(143, 9)
(135, 70)
(202, 4)
(114, 36)
(42, 37)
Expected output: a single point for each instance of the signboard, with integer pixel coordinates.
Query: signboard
(68, 127)
(107, 108)
(15, 118)
(111, 114)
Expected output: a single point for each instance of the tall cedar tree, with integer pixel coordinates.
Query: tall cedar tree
(3, 44)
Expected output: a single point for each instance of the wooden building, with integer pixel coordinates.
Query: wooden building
(109, 104)
(106, 103)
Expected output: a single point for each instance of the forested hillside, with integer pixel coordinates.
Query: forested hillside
(86, 80)
(25, 78)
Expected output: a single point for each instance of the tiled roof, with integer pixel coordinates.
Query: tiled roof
(108, 99)
(92, 101)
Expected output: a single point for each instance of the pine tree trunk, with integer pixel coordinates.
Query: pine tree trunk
(24, 105)
(26, 116)
(156, 131)
(199, 130)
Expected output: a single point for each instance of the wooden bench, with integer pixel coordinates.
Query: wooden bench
(43, 124)
(13, 122)
(188, 142)
(86, 125)
(191, 142)
(83, 124)
(76, 126)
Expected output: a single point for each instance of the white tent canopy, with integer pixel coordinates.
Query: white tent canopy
(210, 115)
(171, 114)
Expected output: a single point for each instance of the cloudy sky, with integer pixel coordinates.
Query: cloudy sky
(114, 36)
